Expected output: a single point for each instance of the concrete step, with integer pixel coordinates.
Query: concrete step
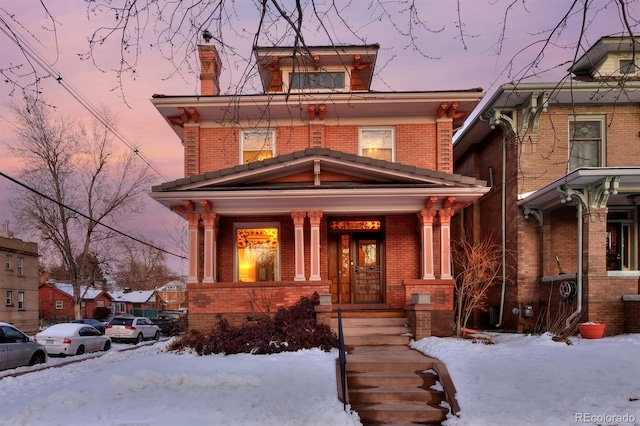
(389, 380)
(394, 413)
(395, 395)
(370, 322)
(368, 330)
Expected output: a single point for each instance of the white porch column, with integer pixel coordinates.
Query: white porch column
(298, 227)
(314, 218)
(194, 227)
(426, 239)
(445, 242)
(210, 235)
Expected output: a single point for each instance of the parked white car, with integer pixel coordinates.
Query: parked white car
(72, 339)
(132, 329)
(17, 349)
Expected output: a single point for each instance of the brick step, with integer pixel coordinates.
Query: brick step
(367, 322)
(389, 380)
(395, 395)
(376, 340)
(366, 330)
(389, 413)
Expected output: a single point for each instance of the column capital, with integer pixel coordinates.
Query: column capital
(426, 216)
(315, 217)
(445, 216)
(210, 220)
(298, 218)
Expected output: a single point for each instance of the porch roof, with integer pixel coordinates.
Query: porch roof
(549, 196)
(366, 186)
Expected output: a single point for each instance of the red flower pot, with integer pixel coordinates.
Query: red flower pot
(591, 330)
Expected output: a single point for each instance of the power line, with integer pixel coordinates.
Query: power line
(89, 218)
(31, 51)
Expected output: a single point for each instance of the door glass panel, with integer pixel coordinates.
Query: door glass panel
(367, 272)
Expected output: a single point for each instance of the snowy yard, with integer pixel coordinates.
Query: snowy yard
(519, 380)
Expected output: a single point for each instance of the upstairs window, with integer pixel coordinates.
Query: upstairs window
(7, 262)
(627, 66)
(9, 298)
(21, 300)
(19, 266)
(317, 80)
(378, 143)
(257, 145)
(586, 142)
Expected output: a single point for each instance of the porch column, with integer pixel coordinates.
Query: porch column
(193, 219)
(445, 242)
(210, 235)
(314, 218)
(298, 226)
(426, 239)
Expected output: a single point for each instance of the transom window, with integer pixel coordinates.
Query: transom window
(257, 253)
(378, 143)
(257, 145)
(317, 80)
(586, 142)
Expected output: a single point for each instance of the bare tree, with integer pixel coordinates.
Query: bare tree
(140, 267)
(477, 267)
(75, 186)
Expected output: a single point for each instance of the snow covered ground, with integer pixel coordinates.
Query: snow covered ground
(519, 380)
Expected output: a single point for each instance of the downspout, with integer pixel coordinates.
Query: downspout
(503, 207)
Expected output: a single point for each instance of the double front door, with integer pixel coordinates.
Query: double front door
(355, 268)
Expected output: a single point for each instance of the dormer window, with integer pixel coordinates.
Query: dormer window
(628, 67)
(324, 80)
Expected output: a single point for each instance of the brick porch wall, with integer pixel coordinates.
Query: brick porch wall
(233, 300)
(435, 318)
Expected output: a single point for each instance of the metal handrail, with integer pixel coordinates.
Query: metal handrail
(343, 361)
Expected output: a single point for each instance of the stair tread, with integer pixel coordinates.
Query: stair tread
(394, 390)
(407, 406)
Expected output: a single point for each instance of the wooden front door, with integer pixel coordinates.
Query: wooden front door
(355, 268)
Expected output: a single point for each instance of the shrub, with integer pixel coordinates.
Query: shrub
(289, 330)
(101, 313)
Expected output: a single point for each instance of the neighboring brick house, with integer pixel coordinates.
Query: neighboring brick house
(563, 160)
(56, 301)
(136, 302)
(317, 184)
(19, 282)
(174, 293)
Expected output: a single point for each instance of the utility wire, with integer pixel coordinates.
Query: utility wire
(89, 218)
(31, 51)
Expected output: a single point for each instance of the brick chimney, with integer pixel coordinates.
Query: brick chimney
(210, 68)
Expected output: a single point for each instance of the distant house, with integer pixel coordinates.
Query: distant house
(57, 303)
(174, 293)
(19, 282)
(142, 303)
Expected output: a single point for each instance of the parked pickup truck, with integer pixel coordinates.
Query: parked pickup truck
(171, 322)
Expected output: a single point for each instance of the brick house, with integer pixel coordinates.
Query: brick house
(174, 293)
(19, 282)
(318, 184)
(56, 301)
(563, 163)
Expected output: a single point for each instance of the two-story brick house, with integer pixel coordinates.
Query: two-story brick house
(563, 160)
(19, 282)
(317, 184)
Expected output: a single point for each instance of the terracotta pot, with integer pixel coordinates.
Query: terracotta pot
(591, 330)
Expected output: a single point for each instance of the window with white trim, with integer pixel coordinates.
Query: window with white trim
(257, 252)
(100, 303)
(378, 143)
(9, 297)
(21, 300)
(627, 67)
(586, 142)
(321, 80)
(19, 266)
(257, 145)
(59, 304)
(7, 262)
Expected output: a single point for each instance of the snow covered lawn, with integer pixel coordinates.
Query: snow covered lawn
(519, 380)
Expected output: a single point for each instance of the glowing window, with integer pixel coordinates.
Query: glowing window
(257, 145)
(257, 254)
(378, 143)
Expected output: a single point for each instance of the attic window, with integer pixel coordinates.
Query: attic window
(628, 66)
(316, 80)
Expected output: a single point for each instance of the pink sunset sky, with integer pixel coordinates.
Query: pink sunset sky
(445, 61)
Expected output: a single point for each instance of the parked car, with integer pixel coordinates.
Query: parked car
(72, 339)
(17, 349)
(99, 325)
(171, 322)
(132, 329)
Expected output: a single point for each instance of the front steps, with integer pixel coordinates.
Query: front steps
(387, 382)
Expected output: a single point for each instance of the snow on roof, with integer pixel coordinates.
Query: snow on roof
(91, 293)
(132, 296)
(173, 286)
